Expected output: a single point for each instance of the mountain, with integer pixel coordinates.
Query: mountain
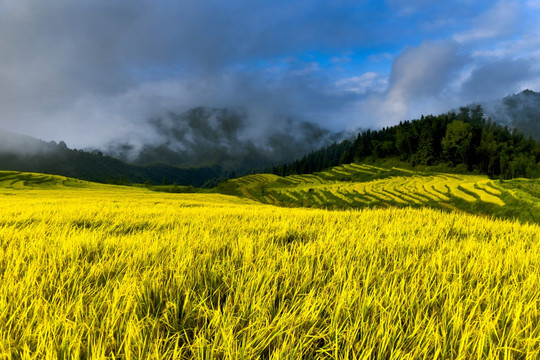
(24, 153)
(189, 148)
(228, 137)
(520, 111)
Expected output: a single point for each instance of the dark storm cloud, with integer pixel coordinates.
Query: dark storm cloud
(107, 43)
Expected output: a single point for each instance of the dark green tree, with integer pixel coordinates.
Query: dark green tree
(425, 155)
(456, 142)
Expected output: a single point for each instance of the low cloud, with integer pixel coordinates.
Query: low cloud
(497, 79)
(521, 111)
(226, 137)
(424, 70)
(419, 78)
(365, 83)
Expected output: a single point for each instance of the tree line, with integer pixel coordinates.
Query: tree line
(464, 141)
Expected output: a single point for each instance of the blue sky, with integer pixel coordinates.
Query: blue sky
(91, 72)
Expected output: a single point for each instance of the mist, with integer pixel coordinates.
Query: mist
(16, 144)
(521, 111)
(208, 136)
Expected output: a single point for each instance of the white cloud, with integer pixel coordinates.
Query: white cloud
(495, 22)
(342, 59)
(417, 85)
(525, 46)
(407, 7)
(381, 57)
(368, 82)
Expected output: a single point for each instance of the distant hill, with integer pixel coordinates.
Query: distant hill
(520, 111)
(463, 141)
(26, 180)
(24, 153)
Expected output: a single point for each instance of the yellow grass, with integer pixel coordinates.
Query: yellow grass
(339, 171)
(457, 192)
(483, 195)
(111, 272)
(288, 195)
(489, 186)
(435, 189)
(336, 191)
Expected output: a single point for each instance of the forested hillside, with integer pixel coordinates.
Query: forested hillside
(24, 153)
(462, 141)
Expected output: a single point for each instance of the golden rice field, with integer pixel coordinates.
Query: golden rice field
(105, 272)
(360, 186)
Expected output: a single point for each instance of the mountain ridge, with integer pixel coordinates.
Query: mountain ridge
(57, 159)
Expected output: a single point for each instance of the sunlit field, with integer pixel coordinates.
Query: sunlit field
(356, 186)
(104, 272)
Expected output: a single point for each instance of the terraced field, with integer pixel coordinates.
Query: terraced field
(18, 180)
(358, 186)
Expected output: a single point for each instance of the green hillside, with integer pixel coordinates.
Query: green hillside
(22, 180)
(360, 186)
(27, 154)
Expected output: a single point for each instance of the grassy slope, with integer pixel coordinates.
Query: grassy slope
(117, 272)
(21, 180)
(359, 186)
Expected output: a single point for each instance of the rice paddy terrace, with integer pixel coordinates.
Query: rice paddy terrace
(21, 180)
(358, 186)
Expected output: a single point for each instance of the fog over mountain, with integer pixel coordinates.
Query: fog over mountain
(226, 137)
(12, 143)
(206, 144)
(210, 136)
(521, 111)
(25, 153)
